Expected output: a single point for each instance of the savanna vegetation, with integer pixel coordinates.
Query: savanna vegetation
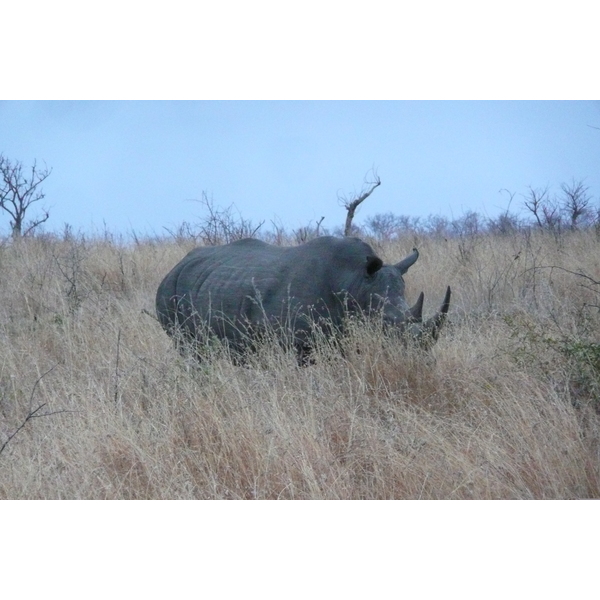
(96, 403)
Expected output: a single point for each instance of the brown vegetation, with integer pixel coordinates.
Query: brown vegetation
(505, 406)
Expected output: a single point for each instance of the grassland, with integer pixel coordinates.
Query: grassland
(96, 403)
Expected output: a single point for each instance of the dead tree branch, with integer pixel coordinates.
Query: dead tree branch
(318, 226)
(581, 274)
(578, 273)
(33, 412)
(351, 204)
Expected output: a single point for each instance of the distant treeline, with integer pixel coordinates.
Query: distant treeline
(569, 209)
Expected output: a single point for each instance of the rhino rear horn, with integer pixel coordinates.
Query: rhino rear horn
(416, 311)
(407, 262)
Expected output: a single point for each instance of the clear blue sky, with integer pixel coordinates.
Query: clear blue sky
(137, 164)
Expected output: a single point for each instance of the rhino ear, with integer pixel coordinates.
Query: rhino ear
(407, 262)
(374, 263)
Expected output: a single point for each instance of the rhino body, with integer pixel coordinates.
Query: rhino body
(235, 291)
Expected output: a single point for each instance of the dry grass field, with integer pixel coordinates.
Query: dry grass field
(96, 404)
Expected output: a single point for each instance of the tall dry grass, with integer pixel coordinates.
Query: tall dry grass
(505, 406)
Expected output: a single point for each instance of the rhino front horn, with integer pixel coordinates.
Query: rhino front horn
(432, 327)
(416, 311)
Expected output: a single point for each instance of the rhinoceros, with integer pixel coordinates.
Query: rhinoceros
(237, 290)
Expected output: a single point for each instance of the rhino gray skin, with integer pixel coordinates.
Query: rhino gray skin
(233, 291)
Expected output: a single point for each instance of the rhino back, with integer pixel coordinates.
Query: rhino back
(250, 280)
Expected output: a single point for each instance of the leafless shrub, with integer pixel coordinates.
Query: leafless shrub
(437, 226)
(467, 230)
(69, 258)
(224, 225)
(504, 224)
(309, 232)
(277, 234)
(388, 226)
(383, 226)
(469, 225)
(218, 226)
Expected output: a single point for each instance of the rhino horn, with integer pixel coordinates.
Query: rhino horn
(407, 262)
(431, 327)
(416, 311)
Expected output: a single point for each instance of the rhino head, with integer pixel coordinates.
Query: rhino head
(386, 289)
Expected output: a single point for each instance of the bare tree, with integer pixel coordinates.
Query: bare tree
(536, 202)
(19, 189)
(575, 201)
(351, 204)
